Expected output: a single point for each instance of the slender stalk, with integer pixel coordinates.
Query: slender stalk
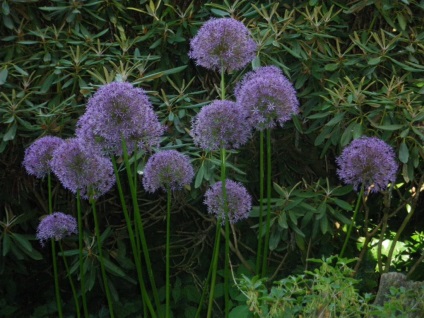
(74, 292)
(349, 231)
(53, 247)
(139, 226)
(168, 242)
(135, 250)
(227, 232)
(261, 201)
(102, 265)
(214, 267)
(81, 261)
(199, 308)
(268, 201)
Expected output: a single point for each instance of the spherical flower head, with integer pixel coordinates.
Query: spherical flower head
(56, 226)
(223, 44)
(168, 169)
(268, 97)
(221, 124)
(120, 111)
(81, 169)
(239, 201)
(367, 161)
(38, 155)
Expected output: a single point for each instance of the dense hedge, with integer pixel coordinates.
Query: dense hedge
(358, 70)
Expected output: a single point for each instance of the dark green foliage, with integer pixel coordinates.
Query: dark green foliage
(358, 69)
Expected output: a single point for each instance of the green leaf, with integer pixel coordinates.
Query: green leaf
(199, 176)
(331, 67)
(342, 204)
(240, 311)
(6, 244)
(336, 119)
(112, 268)
(374, 61)
(389, 127)
(22, 241)
(324, 225)
(403, 152)
(11, 132)
(3, 76)
(282, 221)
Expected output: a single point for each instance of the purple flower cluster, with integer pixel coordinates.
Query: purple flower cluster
(38, 155)
(120, 111)
(223, 44)
(79, 168)
(268, 97)
(221, 124)
(167, 169)
(56, 226)
(367, 161)
(238, 199)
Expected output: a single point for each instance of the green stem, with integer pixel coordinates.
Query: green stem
(222, 84)
(268, 202)
(53, 247)
(214, 267)
(227, 232)
(168, 242)
(349, 231)
(102, 265)
(68, 273)
(261, 201)
(396, 238)
(81, 260)
(135, 250)
(139, 226)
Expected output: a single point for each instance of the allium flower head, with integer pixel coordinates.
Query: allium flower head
(238, 199)
(119, 110)
(268, 97)
(56, 226)
(167, 169)
(367, 161)
(221, 124)
(38, 155)
(223, 43)
(80, 168)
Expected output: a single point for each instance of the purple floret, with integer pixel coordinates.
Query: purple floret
(80, 168)
(268, 97)
(167, 169)
(38, 155)
(223, 43)
(238, 199)
(367, 161)
(119, 110)
(56, 226)
(221, 124)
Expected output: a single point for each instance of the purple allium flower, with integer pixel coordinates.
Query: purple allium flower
(56, 226)
(80, 168)
(268, 96)
(223, 43)
(119, 110)
(221, 124)
(167, 169)
(38, 155)
(367, 161)
(238, 199)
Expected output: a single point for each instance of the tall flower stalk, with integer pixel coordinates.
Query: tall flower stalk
(170, 171)
(269, 99)
(88, 175)
(37, 162)
(368, 164)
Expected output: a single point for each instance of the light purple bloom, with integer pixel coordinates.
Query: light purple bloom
(221, 124)
(56, 226)
(238, 199)
(38, 155)
(268, 97)
(223, 43)
(367, 161)
(79, 168)
(119, 110)
(167, 169)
